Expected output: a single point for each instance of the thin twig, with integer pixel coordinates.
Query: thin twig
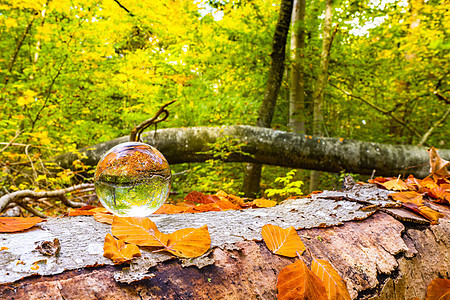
(18, 132)
(432, 128)
(380, 110)
(135, 135)
(31, 162)
(35, 212)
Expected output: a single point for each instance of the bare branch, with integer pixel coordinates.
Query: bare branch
(35, 212)
(19, 195)
(124, 8)
(18, 132)
(432, 128)
(135, 135)
(390, 114)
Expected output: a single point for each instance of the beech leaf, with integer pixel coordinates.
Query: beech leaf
(334, 284)
(438, 289)
(438, 166)
(396, 185)
(13, 224)
(263, 203)
(139, 231)
(296, 281)
(285, 242)
(118, 251)
(189, 242)
(409, 196)
(106, 218)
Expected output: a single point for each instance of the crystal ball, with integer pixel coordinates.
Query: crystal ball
(132, 180)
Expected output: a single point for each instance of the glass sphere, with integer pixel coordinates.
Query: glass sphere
(132, 180)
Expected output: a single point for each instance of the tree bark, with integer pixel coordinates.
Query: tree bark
(273, 147)
(378, 256)
(252, 176)
(321, 83)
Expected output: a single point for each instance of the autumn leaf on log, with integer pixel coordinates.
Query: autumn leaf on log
(189, 242)
(118, 251)
(198, 197)
(410, 196)
(86, 210)
(106, 218)
(170, 209)
(396, 185)
(221, 205)
(428, 183)
(263, 203)
(438, 166)
(439, 194)
(334, 284)
(139, 231)
(232, 198)
(296, 281)
(430, 214)
(438, 289)
(13, 224)
(285, 242)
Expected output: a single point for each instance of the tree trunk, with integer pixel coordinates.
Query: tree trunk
(297, 86)
(267, 109)
(321, 83)
(377, 255)
(273, 147)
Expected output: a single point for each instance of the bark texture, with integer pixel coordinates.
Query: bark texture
(273, 147)
(379, 257)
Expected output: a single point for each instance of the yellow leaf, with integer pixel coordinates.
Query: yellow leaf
(22, 101)
(139, 231)
(118, 251)
(189, 242)
(281, 241)
(334, 284)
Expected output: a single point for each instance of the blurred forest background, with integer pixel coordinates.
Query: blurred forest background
(74, 73)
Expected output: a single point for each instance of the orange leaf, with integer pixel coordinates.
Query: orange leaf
(281, 241)
(440, 194)
(118, 251)
(296, 281)
(198, 197)
(189, 242)
(86, 210)
(104, 217)
(263, 203)
(430, 214)
(232, 198)
(13, 224)
(334, 284)
(170, 209)
(396, 185)
(428, 183)
(217, 206)
(410, 196)
(438, 166)
(139, 231)
(438, 289)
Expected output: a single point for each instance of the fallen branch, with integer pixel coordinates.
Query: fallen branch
(18, 197)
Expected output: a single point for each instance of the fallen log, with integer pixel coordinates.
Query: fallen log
(274, 147)
(379, 256)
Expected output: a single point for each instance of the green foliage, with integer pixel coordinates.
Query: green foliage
(289, 187)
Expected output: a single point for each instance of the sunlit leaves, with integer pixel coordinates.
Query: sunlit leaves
(296, 281)
(118, 251)
(12, 224)
(334, 285)
(281, 241)
(139, 231)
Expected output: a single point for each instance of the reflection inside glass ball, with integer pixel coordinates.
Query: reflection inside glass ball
(132, 180)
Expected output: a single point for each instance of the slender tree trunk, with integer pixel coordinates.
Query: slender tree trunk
(297, 86)
(321, 83)
(278, 55)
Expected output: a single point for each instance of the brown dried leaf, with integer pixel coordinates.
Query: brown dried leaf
(118, 251)
(281, 241)
(139, 231)
(430, 214)
(334, 284)
(232, 198)
(49, 248)
(296, 281)
(13, 224)
(198, 197)
(438, 166)
(189, 242)
(438, 289)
